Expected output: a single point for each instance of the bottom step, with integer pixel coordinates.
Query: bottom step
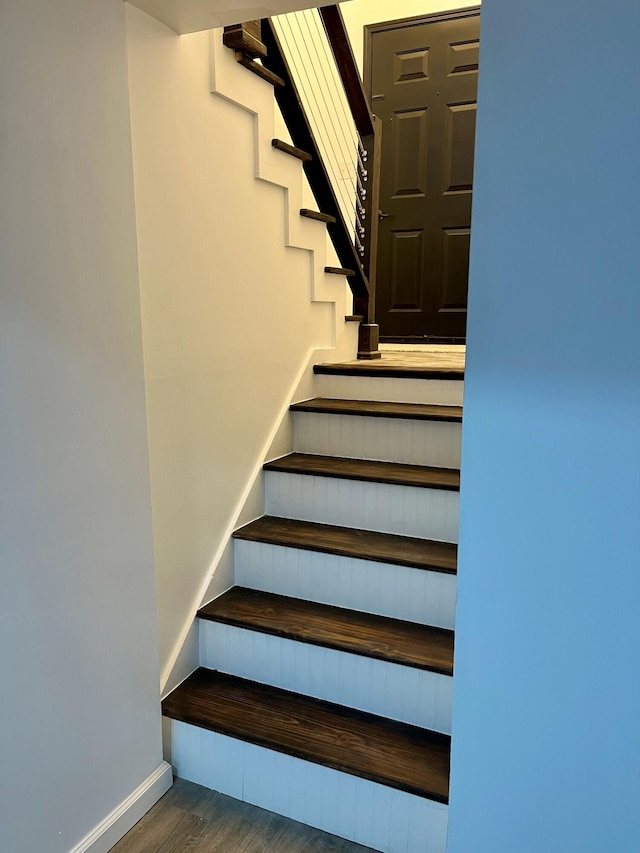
(379, 783)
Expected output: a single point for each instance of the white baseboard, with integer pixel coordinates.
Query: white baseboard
(116, 825)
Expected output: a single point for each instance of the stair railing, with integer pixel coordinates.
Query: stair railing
(308, 58)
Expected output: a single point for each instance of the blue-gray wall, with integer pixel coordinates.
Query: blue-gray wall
(546, 734)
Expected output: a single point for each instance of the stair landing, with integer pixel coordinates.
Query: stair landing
(404, 363)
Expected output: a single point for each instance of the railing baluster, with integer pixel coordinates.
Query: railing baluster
(374, 143)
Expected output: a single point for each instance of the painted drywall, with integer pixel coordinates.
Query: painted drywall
(358, 13)
(546, 741)
(190, 16)
(80, 683)
(228, 322)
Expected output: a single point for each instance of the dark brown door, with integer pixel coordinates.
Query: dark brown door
(422, 77)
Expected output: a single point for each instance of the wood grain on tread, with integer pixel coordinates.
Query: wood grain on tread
(351, 542)
(391, 371)
(340, 271)
(318, 216)
(390, 753)
(380, 637)
(375, 409)
(260, 70)
(298, 153)
(394, 473)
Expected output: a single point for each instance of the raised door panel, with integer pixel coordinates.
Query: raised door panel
(455, 270)
(406, 265)
(409, 131)
(459, 141)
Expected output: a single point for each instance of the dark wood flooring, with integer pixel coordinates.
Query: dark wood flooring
(391, 753)
(395, 473)
(380, 637)
(192, 819)
(351, 542)
(375, 409)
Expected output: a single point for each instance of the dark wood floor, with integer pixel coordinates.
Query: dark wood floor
(194, 819)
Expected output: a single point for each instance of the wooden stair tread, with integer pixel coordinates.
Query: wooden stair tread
(384, 751)
(379, 367)
(352, 542)
(318, 216)
(395, 473)
(340, 271)
(373, 408)
(298, 153)
(259, 69)
(392, 640)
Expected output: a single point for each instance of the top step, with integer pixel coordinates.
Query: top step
(398, 377)
(391, 366)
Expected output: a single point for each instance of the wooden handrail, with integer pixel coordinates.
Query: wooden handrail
(369, 128)
(347, 68)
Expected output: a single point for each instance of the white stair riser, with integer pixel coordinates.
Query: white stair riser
(415, 442)
(416, 595)
(406, 510)
(444, 392)
(365, 812)
(403, 693)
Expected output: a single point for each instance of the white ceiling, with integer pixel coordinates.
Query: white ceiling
(189, 16)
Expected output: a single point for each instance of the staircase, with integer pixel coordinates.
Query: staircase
(324, 691)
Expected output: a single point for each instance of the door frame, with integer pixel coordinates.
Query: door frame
(398, 24)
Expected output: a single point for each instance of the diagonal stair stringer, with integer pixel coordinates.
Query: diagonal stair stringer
(230, 81)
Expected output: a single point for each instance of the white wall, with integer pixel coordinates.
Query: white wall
(228, 321)
(80, 699)
(190, 16)
(546, 745)
(358, 13)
